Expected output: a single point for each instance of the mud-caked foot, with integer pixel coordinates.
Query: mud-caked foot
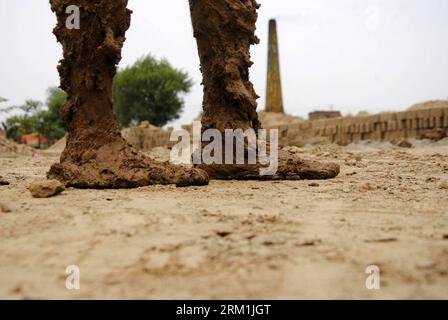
(293, 167)
(290, 167)
(107, 168)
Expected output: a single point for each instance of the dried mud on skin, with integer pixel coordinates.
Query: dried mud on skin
(224, 31)
(96, 155)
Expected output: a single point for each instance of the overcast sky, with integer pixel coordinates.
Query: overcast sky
(372, 55)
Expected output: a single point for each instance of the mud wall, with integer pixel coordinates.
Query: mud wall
(146, 139)
(380, 127)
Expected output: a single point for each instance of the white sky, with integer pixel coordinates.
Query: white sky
(372, 55)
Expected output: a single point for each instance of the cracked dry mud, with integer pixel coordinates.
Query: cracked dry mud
(236, 239)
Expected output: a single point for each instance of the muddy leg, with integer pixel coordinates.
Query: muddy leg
(96, 156)
(224, 31)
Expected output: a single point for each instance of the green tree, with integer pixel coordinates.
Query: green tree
(34, 118)
(149, 90)
(8, 109)
(29, 121)
(11, 131)
(52, 124)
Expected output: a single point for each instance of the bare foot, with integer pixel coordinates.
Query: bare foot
(118, 165)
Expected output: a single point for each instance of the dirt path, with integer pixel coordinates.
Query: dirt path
(268, 240)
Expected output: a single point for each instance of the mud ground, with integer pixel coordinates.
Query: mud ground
(235, 240)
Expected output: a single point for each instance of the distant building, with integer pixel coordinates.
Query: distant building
(34, 140)
(316, 115)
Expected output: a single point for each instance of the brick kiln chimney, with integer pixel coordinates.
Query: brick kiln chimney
(274, 99)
